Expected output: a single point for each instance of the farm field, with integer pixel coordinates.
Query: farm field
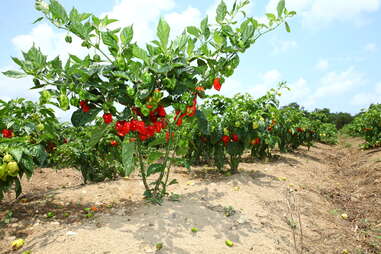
(335, 188)
(159, 126)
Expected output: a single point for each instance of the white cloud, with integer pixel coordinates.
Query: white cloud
(283, 46)
(14, 88)
(365, 99)
(178, 21)
(322, 64)
(370, 47)
(50, 41)
(321, 12)
(299, 92)
(269, 80)
(333, 83)
(143, 14)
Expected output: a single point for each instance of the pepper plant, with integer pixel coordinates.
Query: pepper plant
(134, 86)
(26, 129)
(367, 124)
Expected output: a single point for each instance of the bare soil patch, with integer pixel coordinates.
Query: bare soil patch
(259, 209)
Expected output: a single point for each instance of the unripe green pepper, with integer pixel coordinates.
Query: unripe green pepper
(64, 102)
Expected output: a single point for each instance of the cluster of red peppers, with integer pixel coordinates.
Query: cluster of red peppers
(226, 139)
(157, 118)
(145, 131)
(7, 133)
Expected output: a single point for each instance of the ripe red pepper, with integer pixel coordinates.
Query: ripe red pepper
(158, 126)
(161, 111)
(225, 139)
(200, 88)
(138, 126)
(84, 106)
(114, 143)
(270, 128)
(123, 128)
(7, 133)
(107, 118)
(235, 137)
(217, 84)
(257, 141)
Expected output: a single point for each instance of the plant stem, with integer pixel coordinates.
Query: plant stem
(142, 166)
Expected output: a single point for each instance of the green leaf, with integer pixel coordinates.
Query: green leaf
(126, 35)
(221, 12)
(287, 27)
(202, 122)
(205, 28)
(270, 16)
(14, 74)
(193, 31)
(16, 154)
(153, 156)
(28, 165)
(96, 135)
(191, 45)
(218, 38)
(39, 153)
(155, 168)
(140, 53)
(280, 7)
(158, 141)
(38, 20)
(174, 181)
(18, 188)
(80, 118)
(58, 11)
(163, 30)
(128, 151)
(110, 39)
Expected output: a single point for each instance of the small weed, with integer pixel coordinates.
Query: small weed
(50, 215)
(174, 197)
(291, 223)
(7, 218)
(89, 215)
(229, 211)
(159, 246)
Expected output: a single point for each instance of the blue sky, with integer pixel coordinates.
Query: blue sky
(330, 59)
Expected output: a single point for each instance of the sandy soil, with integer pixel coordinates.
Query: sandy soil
(261, 210)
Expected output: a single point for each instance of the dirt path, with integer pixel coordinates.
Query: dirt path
(256, 209)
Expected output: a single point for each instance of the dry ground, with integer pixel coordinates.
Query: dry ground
(261, 210)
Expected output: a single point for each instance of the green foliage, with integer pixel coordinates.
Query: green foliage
(96, 161)
(116, 71)
(243, 123)
(367, 124)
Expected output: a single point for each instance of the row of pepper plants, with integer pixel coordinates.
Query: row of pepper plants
(367, 124)
(241, 123)
(133, 87)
